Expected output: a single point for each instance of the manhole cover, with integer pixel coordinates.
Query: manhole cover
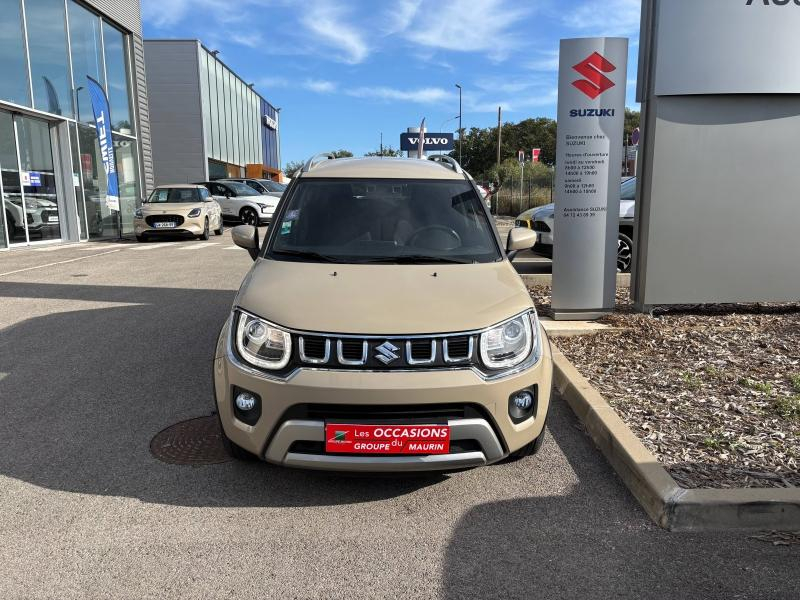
(193, 442)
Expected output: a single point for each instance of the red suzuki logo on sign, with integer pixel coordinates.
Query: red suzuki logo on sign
(592, 68)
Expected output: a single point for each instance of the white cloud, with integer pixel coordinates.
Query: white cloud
(327, 21)
(465, 25)
(320, 86)
(428, 95)
(546, 96)
(400, 15)
(547, 61)
(163, 13)
(605, 17)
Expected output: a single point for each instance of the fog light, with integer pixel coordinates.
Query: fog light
(245, 401)
(522, 405)
(523, 400)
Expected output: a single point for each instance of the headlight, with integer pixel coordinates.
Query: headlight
(137, 214)
(195, 212)
(509, 343)
(262, 344)
(264, 207)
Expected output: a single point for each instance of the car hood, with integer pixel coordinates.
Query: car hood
(383, 299)
(170, 207)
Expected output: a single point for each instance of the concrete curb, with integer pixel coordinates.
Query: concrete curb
(669, 505)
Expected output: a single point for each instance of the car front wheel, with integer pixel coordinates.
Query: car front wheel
(624, 253)
(205, 235)
(249, 217)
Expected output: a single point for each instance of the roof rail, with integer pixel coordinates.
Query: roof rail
(312, 162)
(449, 160)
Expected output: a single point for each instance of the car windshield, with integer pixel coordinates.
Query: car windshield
(164, 195)
(272, 186)
(241, 189)
(384, 221)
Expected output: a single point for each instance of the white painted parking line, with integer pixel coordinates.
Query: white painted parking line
(198, 246)
(152, 246)
(231, 248)
(92, 246)
(60, 262)
(56, 247)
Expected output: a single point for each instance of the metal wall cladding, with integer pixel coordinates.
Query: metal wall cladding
(726, 47)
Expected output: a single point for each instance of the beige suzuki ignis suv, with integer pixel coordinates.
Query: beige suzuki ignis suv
(382, 327)
(185, 210)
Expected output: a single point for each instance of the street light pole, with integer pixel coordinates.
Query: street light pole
(460, 130)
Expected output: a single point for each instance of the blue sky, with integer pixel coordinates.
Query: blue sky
(345, 71)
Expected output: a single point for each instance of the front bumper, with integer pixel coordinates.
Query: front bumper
(278, 437)
(193, 226)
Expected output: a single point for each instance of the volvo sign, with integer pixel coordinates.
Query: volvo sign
(433, 141)
(591, 114)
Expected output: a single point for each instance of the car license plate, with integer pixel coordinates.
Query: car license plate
(343, 438)
(164, 225)
(52, 219)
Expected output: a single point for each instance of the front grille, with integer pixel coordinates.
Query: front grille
(541, 227)
(314, 348)
(428, 414)
(153, 219)
(386, 353)
(352, 350)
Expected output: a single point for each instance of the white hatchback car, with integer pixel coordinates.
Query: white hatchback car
(241, 202)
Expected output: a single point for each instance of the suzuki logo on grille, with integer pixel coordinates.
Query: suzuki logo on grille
(592, 68)
(386, 352)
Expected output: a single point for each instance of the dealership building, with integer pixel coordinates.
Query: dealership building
(53, 184)
(208, 122)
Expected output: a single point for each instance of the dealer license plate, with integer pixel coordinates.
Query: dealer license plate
(164, 224)
(341, 438)
(52, 219)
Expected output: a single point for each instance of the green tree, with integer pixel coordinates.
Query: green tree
(632, 120)
(292, 166)
(480, 145)
(387, 151)
(342, 153)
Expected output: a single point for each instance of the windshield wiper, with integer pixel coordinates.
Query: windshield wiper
(407, 259)
(308, 254)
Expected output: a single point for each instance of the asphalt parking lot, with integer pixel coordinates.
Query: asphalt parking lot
(103, 345)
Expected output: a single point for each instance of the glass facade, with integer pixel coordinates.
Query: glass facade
(13, 66)
(117, 79)
(49, 60)
(67, 42)
(87, 57)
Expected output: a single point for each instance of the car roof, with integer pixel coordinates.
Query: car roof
(171, 186)
(382, 168)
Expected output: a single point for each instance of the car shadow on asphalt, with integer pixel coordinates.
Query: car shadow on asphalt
(593, 540)
(85, 392)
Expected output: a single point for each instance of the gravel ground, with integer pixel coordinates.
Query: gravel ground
(713, 391)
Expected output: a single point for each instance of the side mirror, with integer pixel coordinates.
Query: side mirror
(246, 236)
(519, 238)
(227, 194)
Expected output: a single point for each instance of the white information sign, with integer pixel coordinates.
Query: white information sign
(591, 116)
